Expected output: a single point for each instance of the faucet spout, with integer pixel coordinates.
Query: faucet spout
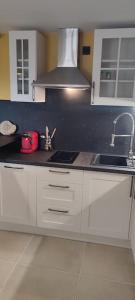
(112, 141)
(131, 135)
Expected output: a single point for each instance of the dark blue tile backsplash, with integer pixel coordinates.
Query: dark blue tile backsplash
(80, 126)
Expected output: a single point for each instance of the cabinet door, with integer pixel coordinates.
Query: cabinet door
(18, 195)
(23, 62)
(107, 205)
(59, 205)
(132, 231)
(114, 67)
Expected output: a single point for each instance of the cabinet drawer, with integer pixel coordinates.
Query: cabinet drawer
(104, 176)
(59, 197)
(61, 221)
(59, 206)
(60, 175)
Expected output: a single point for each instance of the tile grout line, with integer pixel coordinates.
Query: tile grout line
(79, 274)
(83, 254)
(16, 263)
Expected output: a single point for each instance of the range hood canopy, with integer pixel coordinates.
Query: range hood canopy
(66, 74)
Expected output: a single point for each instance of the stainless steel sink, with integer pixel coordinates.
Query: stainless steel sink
(110, 160)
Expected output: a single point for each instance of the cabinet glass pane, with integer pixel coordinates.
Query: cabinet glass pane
(110, 49)
(19, 86)
(127, 64)
(107, 89)
(19, 48)
(26, 87)
(126, 75)
(26, 73)
(26, 63)
(125, 89)
(108, 75)
(127, 50)
(19, 73)
(25, 49)
(19, 52)
(109, 64)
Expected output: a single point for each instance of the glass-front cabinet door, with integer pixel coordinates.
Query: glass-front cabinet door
(22, 64)
(114, 67)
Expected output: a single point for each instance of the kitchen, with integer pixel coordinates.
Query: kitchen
(66, 215)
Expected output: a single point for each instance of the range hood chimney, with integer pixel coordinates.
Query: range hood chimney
(66, 74)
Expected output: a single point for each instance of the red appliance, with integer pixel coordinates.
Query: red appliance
(29, 142)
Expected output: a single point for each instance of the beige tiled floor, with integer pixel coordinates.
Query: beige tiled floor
(45, 268)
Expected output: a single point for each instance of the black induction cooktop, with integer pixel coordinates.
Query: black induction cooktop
(63, 157)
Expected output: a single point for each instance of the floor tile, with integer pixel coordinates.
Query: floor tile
(39, 284)
(54, 253)
(5, 270)
(12, 244)
(90, 288)
(107, 261)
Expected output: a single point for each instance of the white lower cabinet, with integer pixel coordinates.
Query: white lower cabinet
(106, 204)
(92, 203)
(18, 195)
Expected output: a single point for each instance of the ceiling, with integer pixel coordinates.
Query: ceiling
(48, 15)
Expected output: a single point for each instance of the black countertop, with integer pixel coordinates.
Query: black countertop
(6, 140)
(82, 162)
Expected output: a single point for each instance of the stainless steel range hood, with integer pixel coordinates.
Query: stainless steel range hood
(66, 74)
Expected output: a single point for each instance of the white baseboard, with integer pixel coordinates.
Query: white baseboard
(133, 250)
(66, 235)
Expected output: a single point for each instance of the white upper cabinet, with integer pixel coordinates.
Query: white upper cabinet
(114, 67)
(27, 62)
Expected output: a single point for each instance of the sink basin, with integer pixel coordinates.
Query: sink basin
(109, 160)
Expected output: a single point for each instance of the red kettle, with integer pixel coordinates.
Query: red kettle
(29, 142)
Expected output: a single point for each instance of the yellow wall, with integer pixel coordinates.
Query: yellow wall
(52, 50)
(85, 62)
(4, 68)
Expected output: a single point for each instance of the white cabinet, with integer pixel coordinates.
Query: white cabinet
(114, 67)
(132, 229)
(92, 203)
(59, 199)
(18, 194)
(106, 204)
(27, 61)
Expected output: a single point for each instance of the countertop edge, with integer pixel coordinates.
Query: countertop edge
(85, 157)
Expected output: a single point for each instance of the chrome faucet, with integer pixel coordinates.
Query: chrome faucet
(114, 135)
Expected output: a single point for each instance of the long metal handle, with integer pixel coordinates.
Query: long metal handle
(59, 172)
(59, 186)
(9, 167)
(131, 187)
(58, 211)
(33, 93)
(93, 89)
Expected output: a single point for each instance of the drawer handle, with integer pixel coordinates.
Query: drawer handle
(131, 187)
(58, 211)
(19, 168)
(59, 186)
(59, 172)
